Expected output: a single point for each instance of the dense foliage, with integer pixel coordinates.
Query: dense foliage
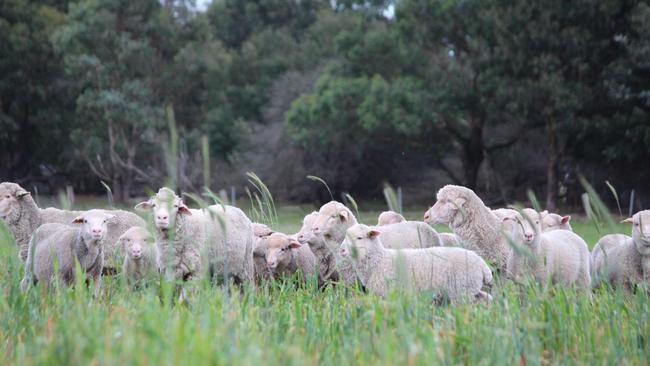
(496, 95)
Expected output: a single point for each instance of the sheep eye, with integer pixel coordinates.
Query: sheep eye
(7, 196)
(359, 238)
(85, 221)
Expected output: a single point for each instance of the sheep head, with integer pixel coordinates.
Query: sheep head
(450, 202)
(359, 239)
(165, 206)
(11, 195)
(389, 218)
(94, 225)
(640, 230)
(553, 221)
(332, 220)
(136, 241)
(532, 226)
(279, 247)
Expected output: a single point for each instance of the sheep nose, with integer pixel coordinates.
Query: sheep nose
(162, 217)
(97, 231)
(426, 216)
(343, 252)
(271, 264)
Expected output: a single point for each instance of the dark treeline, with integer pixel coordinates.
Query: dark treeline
(497, 95)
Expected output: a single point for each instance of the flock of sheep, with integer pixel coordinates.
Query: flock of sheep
(221, 242)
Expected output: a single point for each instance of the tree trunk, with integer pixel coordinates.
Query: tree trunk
(474, 155)
(552, 167)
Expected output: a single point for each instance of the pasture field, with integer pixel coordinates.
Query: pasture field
(282, 323)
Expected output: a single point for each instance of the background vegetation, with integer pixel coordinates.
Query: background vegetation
(493, 94)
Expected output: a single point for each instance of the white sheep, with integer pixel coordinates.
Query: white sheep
(455, 273)
(22, 216)
(325, 251)
(217, 240)
(141, 258)
(286, 256)
(389, 217)
(260, 247)
(558, 256)
(624, 261)
(553, 221)
(475, 225)
(449, 240)
(61, 246)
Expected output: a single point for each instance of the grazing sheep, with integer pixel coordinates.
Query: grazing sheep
(389, 217)
(286, 256)
(323, 250)
(22, 216)
(218, 239)
(61, 246)
(260, 248)
(553, 221)
(558, 256)
(477, 227)
(624, 261)
(456, 273)
(141, 258)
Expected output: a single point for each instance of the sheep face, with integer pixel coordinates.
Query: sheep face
(279, 250)
(553, 221)
(359, 239)
(165, 205)
(136, 241)
(640, 230)
(513, 228)
(332, 219)
(531, 225)
(306, 234)
(94, 225)
(10, 196)
(444, 211)
(389, 218)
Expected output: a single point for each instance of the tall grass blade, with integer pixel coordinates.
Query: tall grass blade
(318, 179)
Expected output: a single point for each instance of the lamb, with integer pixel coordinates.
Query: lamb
(141, 259)
(456, 273)
(22, 216)
(286, 256)
(260, 249)
(217, 240)
(553, 221)
(624, 261)
(558, 256)
(62, 246)
(475, 225)
(389, 217)
(323, 250)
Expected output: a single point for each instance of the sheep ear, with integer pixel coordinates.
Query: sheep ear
(78, 220)
(373, 234)
(21, 193)
(460, 201)
(344, 216)
(627, 221)
(144, 206)
(566, 219)
(293, 244)
(183, 209)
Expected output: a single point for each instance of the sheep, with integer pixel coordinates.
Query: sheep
(475, 225)
(558, 256)
(553, 221)
(260, 248)
(63, 245)
(389, 217)
(323, 250)
(22, 216)
(141, 258)
(624, 261)
(286, 256)
(217, 239)
(449, 240)
(457, 273)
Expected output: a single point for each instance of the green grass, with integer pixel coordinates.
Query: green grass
(290, 325)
